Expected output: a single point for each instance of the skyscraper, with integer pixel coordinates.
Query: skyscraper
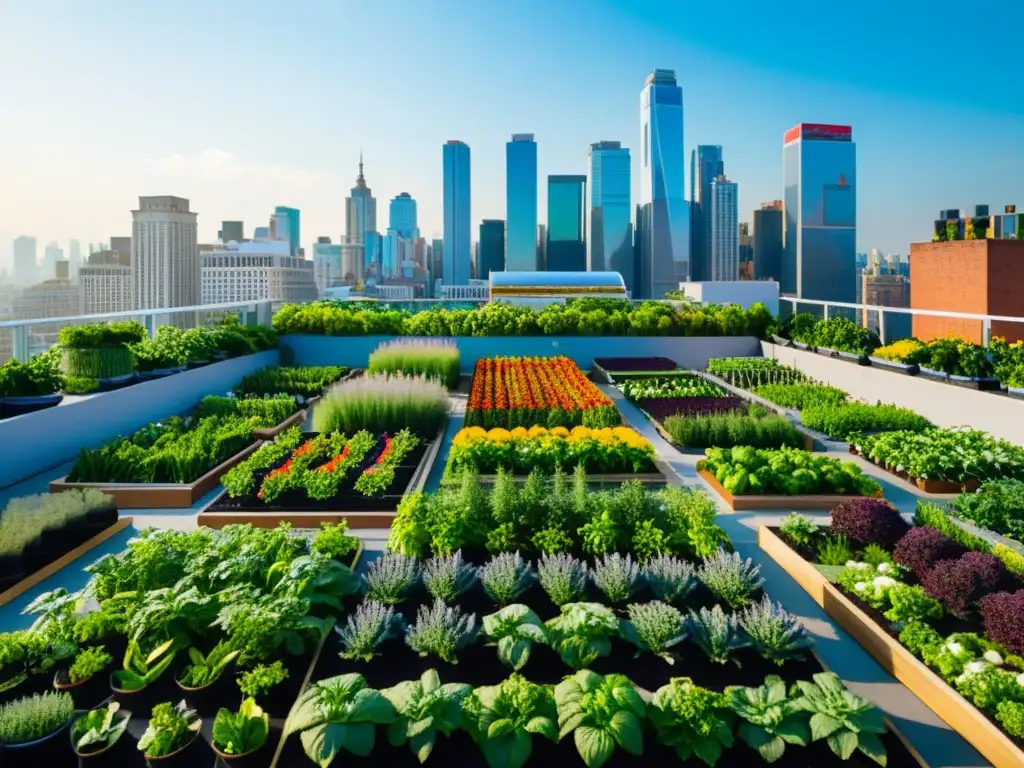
(521, 203)
(402, 216)
(51, 255)
(457, 245)
(360, 210)
(26, 266)
(492, 248)
(567, 206)
(609, 227)
(293, 232)
(725, 247)
(664, 212)
(706, 167)
(768, 241)
(820, 173)
(165, 253)
(232, 231)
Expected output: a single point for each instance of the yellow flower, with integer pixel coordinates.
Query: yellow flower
(624, 433)
(559, 432)
(538, 431)
(580, 432)
(499, 435)
(519, 433)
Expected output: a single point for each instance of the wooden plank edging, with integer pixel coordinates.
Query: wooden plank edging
(961, 716)
(69, 557)
(271, 432)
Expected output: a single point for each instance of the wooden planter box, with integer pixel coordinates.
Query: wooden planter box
(44, 573)
(617, 477)
(953, 708)
(373, 519)
(156, 496)
(745, 502)
(928, 486)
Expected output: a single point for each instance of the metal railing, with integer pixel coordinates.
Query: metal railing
(885, 330)
(22, 348)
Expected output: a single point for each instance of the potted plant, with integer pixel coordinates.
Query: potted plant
(258, 681)
(200, 346)
(99, 351)
(140, 671)
(82, 679)
(31, 386)
(96, 736)
(162, 356)
(239, 736)
(29, 726)
(172, 731)
(199, 680)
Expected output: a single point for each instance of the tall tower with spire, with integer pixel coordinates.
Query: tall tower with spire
(360, 210)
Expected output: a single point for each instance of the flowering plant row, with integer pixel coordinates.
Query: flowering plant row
(524, 392)
(617, 449)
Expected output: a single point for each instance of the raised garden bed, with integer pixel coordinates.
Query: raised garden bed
(631, 364)
(897, 660)
(299, 417)
(940, 487)
(750, 501)
(969, 382)
(910, 369)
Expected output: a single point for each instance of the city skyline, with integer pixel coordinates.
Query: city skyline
(144, 145)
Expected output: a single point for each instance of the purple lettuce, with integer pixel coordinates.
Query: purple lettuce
(869, 521)
(960, 584)
(1003, 616)
(922, 547)
(663, 407)
(626, 364)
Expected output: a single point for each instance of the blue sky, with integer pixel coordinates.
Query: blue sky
(241, 105)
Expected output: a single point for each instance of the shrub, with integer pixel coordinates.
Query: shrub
(304, 381)
(1002, 614)
(442, 631)
(506, 576)
(997, 505)
(959, 584)
(730, 578)
(563, 577)
(383, 403)
(728, 429)
(869, 521)
(921, 548)
(716, 633)
(390, 577)
(800, 530)
(654, 627)
(335, 541)
(617, 576)
(33, 717)
(446, 577)
(436, 359)
(671, 579)
(773, 632)
(261, 679)
(371, 624)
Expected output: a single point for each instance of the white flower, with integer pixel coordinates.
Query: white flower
(884, 568)
(860, 586)
(852, 564)
(954, 648)
(993, 657)
(976, 666)
(884, 581)
(1020, 679)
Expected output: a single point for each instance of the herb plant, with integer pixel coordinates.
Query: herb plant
(338, 714)
(774, 633)
(730, 578)
(582, 633)
(100, 728)
(563, 577)
(170, 729)
(441, 631)
(371, 624)
(847, 721)
(617, 576)
(425, 707)
(335, 541)
(769, 718)
(506, 577)
(514, 629)
(654, 627)
(601, 713)
(205, 670)
(447, 577)
(800, 530)
(241, 732)
(716, 633)
(670, 578)
(503, 718)
(390, 577)
(34, 717)
(88, 663)
(140, 671)
(834, 550)
(692, 720)
(261, 679)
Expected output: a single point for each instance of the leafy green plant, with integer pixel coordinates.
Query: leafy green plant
(843, 421)
(170, 728)
(848, 722)
(773, 632)
(801, 396)
(834, 550)
(800, 530)
(730, 578)
(33, 717)
(599, 535)
(563, 577)
(654, 627)
(692, 720)
(390, 577)
(617, 576)
(734, 428)
(911, 603)
(670, 578)
(425, 708)
(141, 670)
(241, 732)
(769, 718)
(514, 629)
(506, 576)
(261, 679)
(447, 577)
(875, 555)
(601, 713)
(788, 471)
(503, 718)
(582, 633)
(206, 670)
(716, 633)
(99, 729)
(302, 381)
(335, 541)
(371, 624)
(338, 714)
(88, 663)
(441, 631)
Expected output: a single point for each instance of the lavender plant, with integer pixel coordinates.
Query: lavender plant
(730, 578)
(367, 628)
(773, 632)
(654, 627)
(670, 578)
(506, 576)
(442, 631)
(617, 576)
(563, 577)
(390, 577)
(716, 633)
(448, 577)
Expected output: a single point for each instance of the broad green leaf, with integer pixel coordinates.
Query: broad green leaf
(594, 745)
(398, 732)
(403, 695)
(422, 744)
(369, 706)
(520, 749)
(754, 735)
(360, 738)
(569, 721)
(843, 743)
(513, 652)
(543, 726)
(627, 732)
(196, 656)
(794, 729)
(871, 745)
(708, 750)
(510, 751)
(323, 742)
(566, 691)
(776, 689)
(629, 698)
(305, 714)
(431, 681)
(500, 728)
(419, 726)
(823, 726)
(773, 750)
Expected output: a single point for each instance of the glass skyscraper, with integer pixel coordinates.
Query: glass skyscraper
(491, 257)
(294, 232)
(567, 245)
(521, 203)
(402, 216)
(820, 172)
(609, 226)
(725, 233)
(664, 212)
(457, 246)
(707, 167)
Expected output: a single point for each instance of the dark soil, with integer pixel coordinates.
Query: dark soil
(627, 364)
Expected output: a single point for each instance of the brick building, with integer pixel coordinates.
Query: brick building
(984, 277)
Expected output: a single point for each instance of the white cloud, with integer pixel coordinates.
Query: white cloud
(217, 165)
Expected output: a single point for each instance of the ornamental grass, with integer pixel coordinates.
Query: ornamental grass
(433, 358)
(25, 519)
(382, 403)
(725, 430)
